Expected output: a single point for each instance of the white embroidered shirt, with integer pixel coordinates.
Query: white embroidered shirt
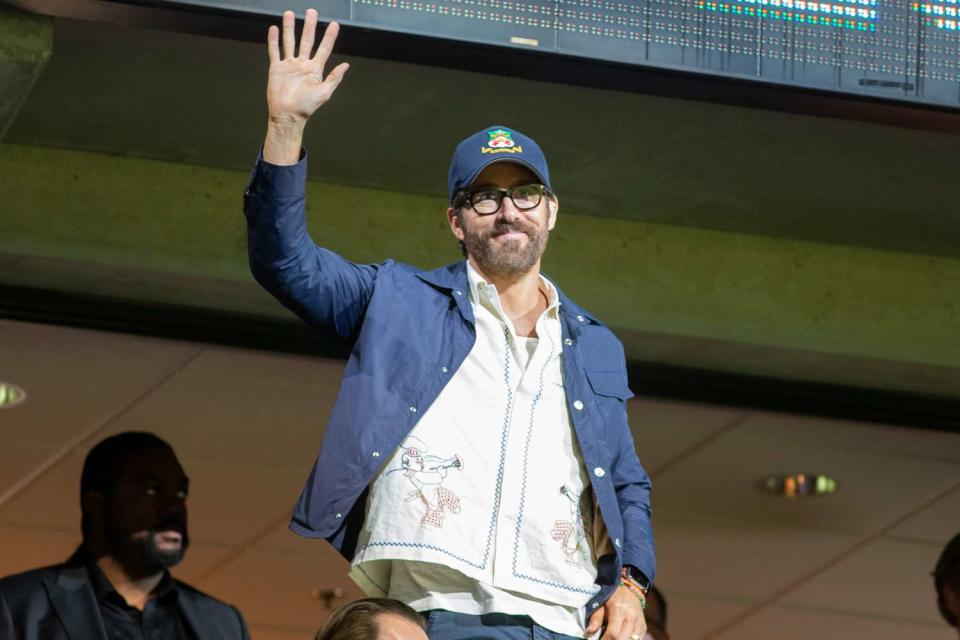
(486, 505)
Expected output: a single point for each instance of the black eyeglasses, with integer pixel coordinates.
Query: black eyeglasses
(487, 201)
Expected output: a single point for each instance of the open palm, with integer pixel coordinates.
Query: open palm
(296, 86)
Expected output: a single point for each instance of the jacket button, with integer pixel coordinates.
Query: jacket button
(413, 409)
(376, 454)
(595, 605)
(338, 516)
(444, 369)
(599, 472)
(578, 405)
(568, 342)
(458, 292)
(581, 319)
(616, 542)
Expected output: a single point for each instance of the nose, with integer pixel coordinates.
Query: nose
(508, 211)
(175, 506)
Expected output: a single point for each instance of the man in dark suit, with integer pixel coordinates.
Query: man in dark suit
(133, 495)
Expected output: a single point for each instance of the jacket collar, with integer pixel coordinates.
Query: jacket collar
(73, 600)
(196, 617)
(451, 277)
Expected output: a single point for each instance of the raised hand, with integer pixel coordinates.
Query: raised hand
(296, 86)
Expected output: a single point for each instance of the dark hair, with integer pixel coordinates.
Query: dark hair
(357, 620)
(947, 574)
(104, 462)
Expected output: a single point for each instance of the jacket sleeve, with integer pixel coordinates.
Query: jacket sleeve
(6, 620)
(244, 634)
(632, 486)
(318, 285)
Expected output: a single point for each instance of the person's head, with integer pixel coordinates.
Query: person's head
(505, 234)
(656, 615)
(133, 495)
(946, 580)
(373, 619)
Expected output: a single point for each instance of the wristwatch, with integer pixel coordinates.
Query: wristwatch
(637, 576)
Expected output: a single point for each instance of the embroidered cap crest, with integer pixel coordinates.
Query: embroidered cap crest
(501, 141)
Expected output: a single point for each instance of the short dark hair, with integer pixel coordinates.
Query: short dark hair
(357, 620)
(104, 462)
(947, 574)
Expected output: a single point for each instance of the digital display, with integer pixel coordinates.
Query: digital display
(887, 48)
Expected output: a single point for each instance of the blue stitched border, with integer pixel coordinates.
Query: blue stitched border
(523, 490)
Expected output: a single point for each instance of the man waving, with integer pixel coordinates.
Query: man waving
(478, 464)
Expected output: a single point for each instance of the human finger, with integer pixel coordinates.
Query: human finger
(335, 77)
(289, 37)
(595, 622)
(273, 43)
(617, 626)
(639, 628)
(308, 36)
(326, 45)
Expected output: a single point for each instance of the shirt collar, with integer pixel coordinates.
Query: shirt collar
(478, 284)
(102, 587)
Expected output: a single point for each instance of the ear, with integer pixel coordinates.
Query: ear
(553, 207)
(454, 220)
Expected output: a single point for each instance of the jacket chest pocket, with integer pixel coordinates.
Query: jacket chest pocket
(610, 394)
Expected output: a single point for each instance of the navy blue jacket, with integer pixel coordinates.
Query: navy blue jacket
(409, 331)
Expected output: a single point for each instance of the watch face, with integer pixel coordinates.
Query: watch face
(638, 577)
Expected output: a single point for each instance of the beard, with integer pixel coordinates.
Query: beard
(505, 258)
(140, 550)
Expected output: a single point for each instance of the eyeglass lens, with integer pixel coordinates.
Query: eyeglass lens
(524, 198)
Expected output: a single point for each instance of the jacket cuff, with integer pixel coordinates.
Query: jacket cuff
(278, 182)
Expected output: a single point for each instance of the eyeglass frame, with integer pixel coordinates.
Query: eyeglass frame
(466, 197)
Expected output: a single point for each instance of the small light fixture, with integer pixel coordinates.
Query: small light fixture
(11, 395)
(799, 485)
(326, 596)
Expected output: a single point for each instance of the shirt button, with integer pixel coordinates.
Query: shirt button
(413, 409)
(581, 319)
(578, 405)
(599, 472)
(444, 369)
(376, 454)
(568, 342)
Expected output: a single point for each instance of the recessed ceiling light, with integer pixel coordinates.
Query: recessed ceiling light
(326, 596)
(11, 395)
(800, 485)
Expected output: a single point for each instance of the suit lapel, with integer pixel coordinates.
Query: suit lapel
(201, 623)
(75, 604)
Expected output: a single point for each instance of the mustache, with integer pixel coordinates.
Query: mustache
(503, 227)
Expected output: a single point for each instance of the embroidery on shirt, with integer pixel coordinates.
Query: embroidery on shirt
(571, 534)
(427, 472)
(523, 484)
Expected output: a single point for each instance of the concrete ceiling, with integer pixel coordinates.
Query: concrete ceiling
(734, 563)
(189, 99)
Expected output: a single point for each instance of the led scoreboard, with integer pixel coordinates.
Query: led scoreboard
(901, 49)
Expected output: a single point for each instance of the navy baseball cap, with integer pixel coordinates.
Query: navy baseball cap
(494, 144)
